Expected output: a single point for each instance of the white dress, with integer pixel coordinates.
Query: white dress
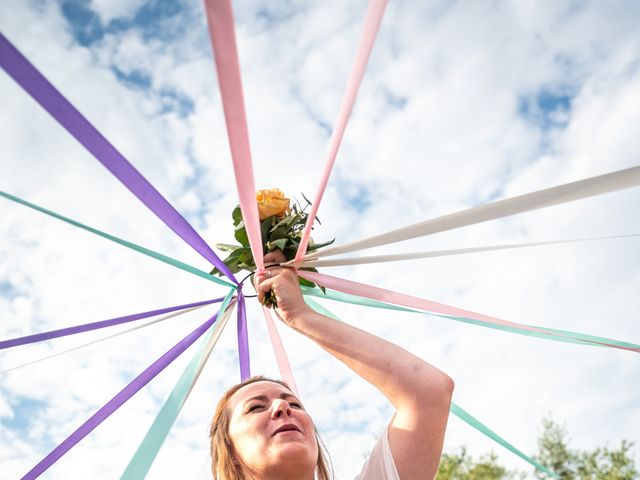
(380, 464)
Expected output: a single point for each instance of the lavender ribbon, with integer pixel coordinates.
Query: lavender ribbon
(243, 339)
(43, 92)
(118, 400)
(63, 332)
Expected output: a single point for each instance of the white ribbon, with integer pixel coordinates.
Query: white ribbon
(568, 192)
(441, 253)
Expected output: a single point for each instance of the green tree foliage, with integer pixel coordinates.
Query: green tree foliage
(555, 453)
(601, 463)
(461, 466)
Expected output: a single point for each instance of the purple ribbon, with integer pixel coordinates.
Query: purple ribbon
(243, 339)
(43, 92)
(63, 332)
(117, 401)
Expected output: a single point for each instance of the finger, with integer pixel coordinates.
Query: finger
(275, 256)
(264, 286)
(259, 277)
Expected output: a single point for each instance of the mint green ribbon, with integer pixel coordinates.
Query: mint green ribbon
(478, 425)
(455, 409)
(579, 338)
(146, 453)
(125, 243)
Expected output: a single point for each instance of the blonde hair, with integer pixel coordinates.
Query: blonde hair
(223, 464)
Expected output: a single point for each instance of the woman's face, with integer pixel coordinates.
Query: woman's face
(270, 430)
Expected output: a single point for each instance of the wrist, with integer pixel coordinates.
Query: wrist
(297, 317)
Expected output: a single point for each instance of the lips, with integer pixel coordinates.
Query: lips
(287, 427)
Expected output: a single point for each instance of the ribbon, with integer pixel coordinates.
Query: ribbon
(438, 253)
(319, 308)
(99, 340)
(43, 92)
(120, 241)
(567, 335)
(118, 400)
(148, 449)
(383, 295)
(373, 18)
(460, 413)
(475, 423)
(278, 349)
(568, 192)
(86, 327)
(243, 339)
(223, 40)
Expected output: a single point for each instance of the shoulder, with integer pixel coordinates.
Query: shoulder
(380, 464)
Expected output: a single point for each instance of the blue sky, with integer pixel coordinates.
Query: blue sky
(461, 104)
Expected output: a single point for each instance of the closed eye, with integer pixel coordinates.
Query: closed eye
(254, 407)
(295, 405)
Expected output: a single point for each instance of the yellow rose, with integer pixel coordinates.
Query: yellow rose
(272, 202)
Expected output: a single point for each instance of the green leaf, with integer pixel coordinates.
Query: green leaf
(305, 282)
(225, 247)
(241, 236)
(236, 215)
(265, 226)
(281, 244)
(236, 268)
(316, 246)
(247, 258)
(278, 233)
(287, 221)
(230, 261)
(238, 252)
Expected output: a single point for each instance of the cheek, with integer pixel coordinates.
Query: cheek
(245, 439)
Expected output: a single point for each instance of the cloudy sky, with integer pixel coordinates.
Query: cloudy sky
(463, 103)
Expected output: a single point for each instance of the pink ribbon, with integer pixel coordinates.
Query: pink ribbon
(223, 39)
(371, 26)
(389, 296)
(281, 356)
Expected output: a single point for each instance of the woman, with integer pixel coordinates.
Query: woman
(261, 431)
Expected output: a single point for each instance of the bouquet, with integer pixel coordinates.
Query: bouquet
(281, 227)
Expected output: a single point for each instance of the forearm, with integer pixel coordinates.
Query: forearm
(406, 380)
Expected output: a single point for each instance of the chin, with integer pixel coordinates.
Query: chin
(298, 452)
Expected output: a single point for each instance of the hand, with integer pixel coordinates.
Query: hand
(283, 282)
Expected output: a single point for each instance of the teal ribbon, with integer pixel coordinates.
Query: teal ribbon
(146, 453)
(125, 243)
(466, 417)
(579, 338)
(455, 409)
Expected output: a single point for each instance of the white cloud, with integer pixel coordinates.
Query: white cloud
(116, 9)
(436, 128)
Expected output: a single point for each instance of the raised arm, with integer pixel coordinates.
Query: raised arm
(420, 393)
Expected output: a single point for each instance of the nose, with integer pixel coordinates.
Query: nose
(280, 408)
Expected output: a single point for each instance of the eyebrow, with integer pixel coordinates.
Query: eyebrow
(264, 398)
